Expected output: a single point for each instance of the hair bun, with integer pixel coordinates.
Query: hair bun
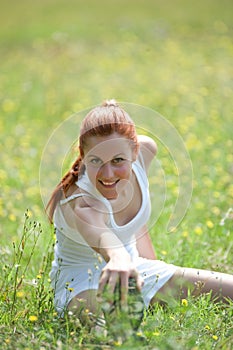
(110, 103)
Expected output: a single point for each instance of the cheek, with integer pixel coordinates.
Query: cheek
(123, 171)
(92, 172)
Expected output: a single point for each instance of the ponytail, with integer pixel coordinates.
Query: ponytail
(62, 187)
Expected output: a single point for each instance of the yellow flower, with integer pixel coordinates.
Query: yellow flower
(33, 318)
(20, 294)
(118, 343)
(156, 334)
(209, 224)
(12, 217)
(215, 337)
(207, 327)
(198, 230)
(184, 302)
(8, 105)
(216, 210)
(70, 289)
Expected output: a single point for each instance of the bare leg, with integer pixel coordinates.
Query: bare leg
(85, 301)
(86, 308)
(196, 282)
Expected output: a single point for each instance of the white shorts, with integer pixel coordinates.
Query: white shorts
(69, 281)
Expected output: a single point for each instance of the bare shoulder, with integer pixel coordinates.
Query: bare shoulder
(147, 144)
(148, 148)
(84, 208)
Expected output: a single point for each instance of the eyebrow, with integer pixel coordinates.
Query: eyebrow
(115, 156)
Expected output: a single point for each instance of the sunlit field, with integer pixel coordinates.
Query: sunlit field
(62, 57)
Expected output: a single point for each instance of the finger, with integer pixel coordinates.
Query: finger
(112, 281)
(104, 277)
(139, 283)
(124, 281)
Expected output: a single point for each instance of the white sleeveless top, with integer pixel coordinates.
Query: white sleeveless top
(77, 267)
(125, 233)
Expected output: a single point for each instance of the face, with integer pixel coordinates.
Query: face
(108, 161)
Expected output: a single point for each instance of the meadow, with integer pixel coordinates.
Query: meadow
(61, 57)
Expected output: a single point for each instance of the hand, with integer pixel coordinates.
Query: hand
(118, 270)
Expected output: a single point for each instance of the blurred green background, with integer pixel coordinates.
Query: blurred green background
(59, 57)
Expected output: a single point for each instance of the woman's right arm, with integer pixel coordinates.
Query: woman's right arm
(90, 221)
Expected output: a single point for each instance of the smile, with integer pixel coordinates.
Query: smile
(108, 184)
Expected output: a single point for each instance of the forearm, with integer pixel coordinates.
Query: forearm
(144, 245)
(110, 246)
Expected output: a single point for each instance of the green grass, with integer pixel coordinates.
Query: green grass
(61, 57)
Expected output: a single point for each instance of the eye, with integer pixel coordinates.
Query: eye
(95, 161)
(117, 160)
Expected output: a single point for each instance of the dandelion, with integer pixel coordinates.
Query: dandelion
(20, 294)
(38, 277)
(33, 318)
(8, 105)
(209, 224)
(207, 327)
(164, 252)
(29, 213)
(70, 289)
(215, 337)
(216, 194)
(12, 217)
(184, 302)
(139, 334)
(215, 210)
(156, 333)
(118, 342)
(198, 230)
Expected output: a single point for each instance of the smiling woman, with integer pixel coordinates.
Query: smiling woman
(100, 211)
(112, 165)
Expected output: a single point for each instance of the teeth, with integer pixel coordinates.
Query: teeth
(107, 183)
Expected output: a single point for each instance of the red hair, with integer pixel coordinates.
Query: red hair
(103, 120)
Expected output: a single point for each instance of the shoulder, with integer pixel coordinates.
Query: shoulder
(147, 144)
(148, 149)
(83, 208)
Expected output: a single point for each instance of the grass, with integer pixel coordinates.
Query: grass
(61, 57)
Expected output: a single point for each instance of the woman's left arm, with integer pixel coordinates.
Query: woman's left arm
(148, 149)
(144, 245)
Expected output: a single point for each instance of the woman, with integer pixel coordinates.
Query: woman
(100, 210)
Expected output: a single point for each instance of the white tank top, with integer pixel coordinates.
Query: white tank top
(73, 248)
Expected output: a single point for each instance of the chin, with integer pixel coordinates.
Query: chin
(109, 196)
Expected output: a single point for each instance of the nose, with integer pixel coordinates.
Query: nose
(106, 171)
